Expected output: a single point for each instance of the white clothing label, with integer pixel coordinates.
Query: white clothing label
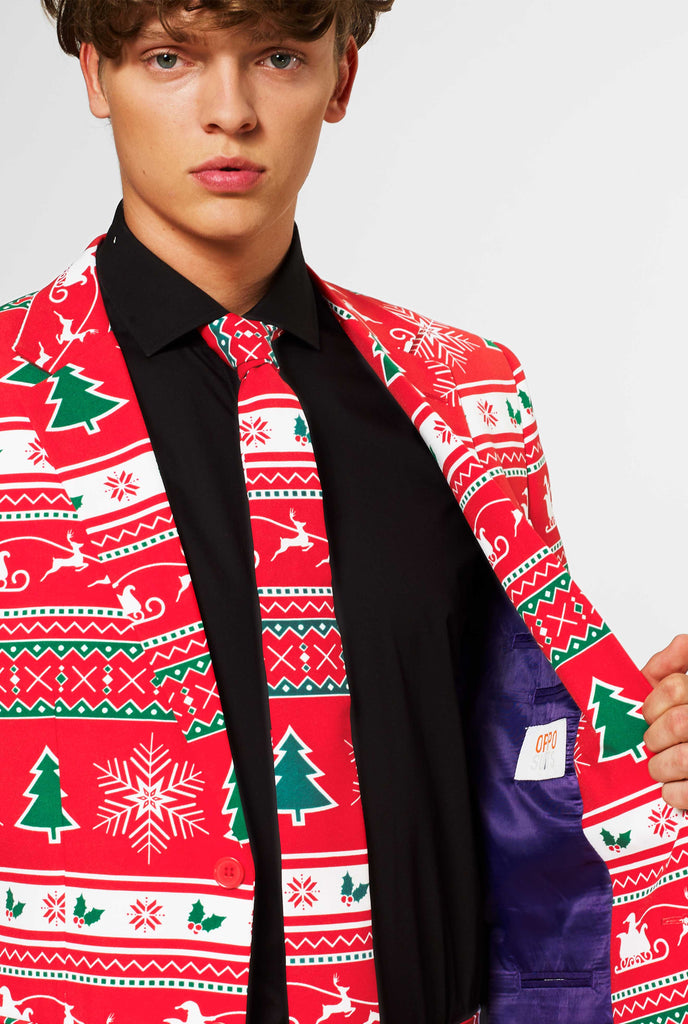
(543, 752)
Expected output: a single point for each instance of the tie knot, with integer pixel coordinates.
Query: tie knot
(243, 343)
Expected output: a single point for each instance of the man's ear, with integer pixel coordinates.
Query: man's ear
(348, 66)
(91, 68)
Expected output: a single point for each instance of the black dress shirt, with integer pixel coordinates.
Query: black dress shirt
(405, 567)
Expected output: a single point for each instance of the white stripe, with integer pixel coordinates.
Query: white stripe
(624, 800)
(119, 453)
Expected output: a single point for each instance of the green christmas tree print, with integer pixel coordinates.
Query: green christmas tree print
(618, 721)
(26, 374)
(45, 812)
(78, 401)
(237, 823)
(297, 791)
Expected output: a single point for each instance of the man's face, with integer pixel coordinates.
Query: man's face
(216, 135)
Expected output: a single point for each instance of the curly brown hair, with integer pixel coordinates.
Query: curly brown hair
(109, 23)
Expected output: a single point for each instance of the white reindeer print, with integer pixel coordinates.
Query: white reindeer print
(68, 335)
(344, 1005)
(77, 559)
(301, 540)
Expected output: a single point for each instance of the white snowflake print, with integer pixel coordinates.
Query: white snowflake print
(663, 821)
(36, 454)
(254, 430)
(122, 485)
(444, 433)
(146, 914)
(435, 340)
(488, 413)
(578, 761)
(54, 908)
(302, 892)
(150, 799)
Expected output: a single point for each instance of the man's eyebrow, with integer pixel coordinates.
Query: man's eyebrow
(269, 35)
(258, 37)
(158, 35)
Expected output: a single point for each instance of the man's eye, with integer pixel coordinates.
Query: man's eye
(166, 61)
(282, 61)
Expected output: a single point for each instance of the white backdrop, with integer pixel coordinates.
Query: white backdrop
(515, 167)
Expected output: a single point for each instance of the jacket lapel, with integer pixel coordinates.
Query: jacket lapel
(498, 475)
(91, 429)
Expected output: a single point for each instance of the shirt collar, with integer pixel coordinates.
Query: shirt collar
(158, 305)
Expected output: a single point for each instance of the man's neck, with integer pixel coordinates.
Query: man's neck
(237, 273)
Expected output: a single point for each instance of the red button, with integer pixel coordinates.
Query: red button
(229, 872)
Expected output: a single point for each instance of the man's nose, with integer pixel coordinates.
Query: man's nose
(227, 103)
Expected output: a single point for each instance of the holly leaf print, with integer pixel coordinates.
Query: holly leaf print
(18, 909)
(197, 913)
(9, 901)
(347, 885)
(608, 838)
(92, 916)
(80, 907)
(360, 891)
(212, 922)
(525, 399)
(624, 839)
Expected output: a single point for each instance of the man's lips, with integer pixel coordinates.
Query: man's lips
(228, 163)
(228, 174)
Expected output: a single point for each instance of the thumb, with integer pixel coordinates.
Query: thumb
(673, 658)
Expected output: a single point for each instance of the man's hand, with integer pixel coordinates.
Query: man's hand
(666, 712)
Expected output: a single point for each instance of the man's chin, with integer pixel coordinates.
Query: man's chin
(229, 226)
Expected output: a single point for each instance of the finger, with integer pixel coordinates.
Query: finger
(667, 733)
(671, 692)
(676, 795)
(673, 658)
(671, 765)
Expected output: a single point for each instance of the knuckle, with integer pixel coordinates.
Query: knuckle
(675, 688)
(654, 769)
(677, 720)
(676, 795)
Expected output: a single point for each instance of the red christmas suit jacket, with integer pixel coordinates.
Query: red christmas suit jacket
(118, 804)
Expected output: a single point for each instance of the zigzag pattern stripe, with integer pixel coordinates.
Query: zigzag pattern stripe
(528, 583)
(270, 479)
(82, 961)
(283, 609)
(314, 944)
(56, 627)
(168, 656)
(640, 894)
(649, 875)
(144, 526)
(664, 995)
(24, 499)
(140, 545)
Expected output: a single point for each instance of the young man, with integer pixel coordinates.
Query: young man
(217, 493)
